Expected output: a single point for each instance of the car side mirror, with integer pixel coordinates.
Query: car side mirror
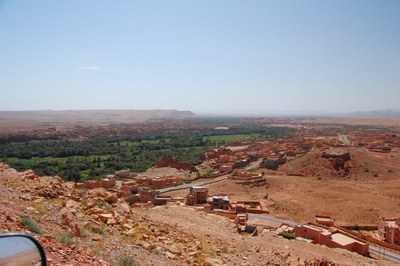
(21, 249)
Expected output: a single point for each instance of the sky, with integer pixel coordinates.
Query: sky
(225, 56)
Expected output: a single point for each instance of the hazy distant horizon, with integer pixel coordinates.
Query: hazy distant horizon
(395, 111)
(258, 57)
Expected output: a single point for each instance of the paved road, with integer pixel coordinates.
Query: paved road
(344, 139)
(385, 253)
(254, 165)
(376, 250)
(193, 184)
(271, 219)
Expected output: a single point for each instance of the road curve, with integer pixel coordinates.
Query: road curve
(271, 219)
(384, 252)
(193, 184)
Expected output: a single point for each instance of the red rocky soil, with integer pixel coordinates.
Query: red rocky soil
(95, 227)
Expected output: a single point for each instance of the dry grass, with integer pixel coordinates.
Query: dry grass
(31, 225)
(123, 260)
(98, 247)
(38, 206)
(64, 237)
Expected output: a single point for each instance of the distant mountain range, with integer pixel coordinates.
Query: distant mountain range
(109, 116)
(388, 113)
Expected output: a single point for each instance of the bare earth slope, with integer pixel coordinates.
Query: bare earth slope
(370, 190)
(363, 164)
(75, 233)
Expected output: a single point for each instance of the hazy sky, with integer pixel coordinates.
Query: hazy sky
(205, 56)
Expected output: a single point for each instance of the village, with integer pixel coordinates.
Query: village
(249, 164)
(321, 231)
(331, 186)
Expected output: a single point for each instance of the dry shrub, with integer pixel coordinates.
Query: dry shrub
(31, 225)
(319, 262)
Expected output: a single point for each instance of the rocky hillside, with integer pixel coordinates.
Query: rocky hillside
(81, 226)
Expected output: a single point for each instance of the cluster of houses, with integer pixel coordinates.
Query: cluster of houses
(271, 154)
(135, 189)
(243, 177)
(137, 182)
(225, 160)
(275, 153)
(375, 141)
(221, 204)
(323, 231)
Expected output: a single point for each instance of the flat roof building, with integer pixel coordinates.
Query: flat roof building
(332, 238)
(197, 195)
(389, 230)
(324, 220)
(220, 202)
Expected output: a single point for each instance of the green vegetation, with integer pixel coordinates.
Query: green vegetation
(356, 227)
(125, 261)
(79, 160)
(156, 251)
(253, 205)
(31, 224)
(226, 139)
(288, 235)
(206, 174)
(65, 238)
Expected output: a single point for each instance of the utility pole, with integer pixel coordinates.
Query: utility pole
(379, 252)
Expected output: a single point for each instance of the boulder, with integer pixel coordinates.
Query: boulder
(170, 255)
(132, 199)
(111, 221)
(107, 183)
(76, 231)
(25, 197)
(213, 262)
(91, 184)
(173, 249)
(127, 226)
(80, 185)
(105, 216)
(29, 174)
(122, 207)
(111, 198)
(72, 204)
